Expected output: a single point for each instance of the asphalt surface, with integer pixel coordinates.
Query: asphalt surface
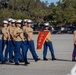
(63, 47)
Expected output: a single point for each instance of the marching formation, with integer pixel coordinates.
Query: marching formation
(17, 39)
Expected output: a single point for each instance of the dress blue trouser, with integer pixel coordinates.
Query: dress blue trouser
(9, 51)
(74, 52)
(32, 49)
(1, 53)
(20, 53)
(13, 46)
(4, 42)
(46, 45)
(23, 46)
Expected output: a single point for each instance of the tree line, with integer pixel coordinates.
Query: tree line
(61, 13)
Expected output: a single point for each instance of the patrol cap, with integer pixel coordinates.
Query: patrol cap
(9, 19)
(5, 22)
(29, 21)
(46, 24)
(18, 21)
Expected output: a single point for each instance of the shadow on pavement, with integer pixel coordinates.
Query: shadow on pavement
(64, 60)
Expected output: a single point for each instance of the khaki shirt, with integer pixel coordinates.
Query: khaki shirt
(48, 39)
(12, 32)
(19, 37)
(10, 28)
(75, 33)
(29, 32)
(5, 32)
(24, 29)
(75, 36)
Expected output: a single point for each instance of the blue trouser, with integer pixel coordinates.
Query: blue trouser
(32, 49)
(74, 52)
(4, 42)
(20, 52)
(1, 53)
(46, 45)
(9, 51)
(23, 46)
(13, 47)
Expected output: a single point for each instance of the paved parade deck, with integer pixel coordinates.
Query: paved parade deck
(63, 47)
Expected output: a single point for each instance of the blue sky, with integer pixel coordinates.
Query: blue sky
(49, 1)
